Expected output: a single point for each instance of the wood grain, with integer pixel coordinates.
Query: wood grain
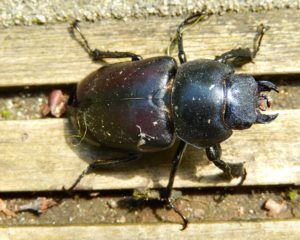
(38, 55)
(273, 230)
(38, 155)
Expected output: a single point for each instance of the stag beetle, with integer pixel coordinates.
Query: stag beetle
(144, 105)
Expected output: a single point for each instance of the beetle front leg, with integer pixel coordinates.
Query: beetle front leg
(232, 170)
(239, 57)
(97, 54)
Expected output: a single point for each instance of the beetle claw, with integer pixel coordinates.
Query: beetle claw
(266, 86)
(264, 118)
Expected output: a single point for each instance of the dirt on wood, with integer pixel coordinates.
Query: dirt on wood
(120, 207)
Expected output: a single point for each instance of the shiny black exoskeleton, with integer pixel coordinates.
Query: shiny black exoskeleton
(144, 105)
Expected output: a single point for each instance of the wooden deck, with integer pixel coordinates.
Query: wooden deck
(38, 155)
(275, 230)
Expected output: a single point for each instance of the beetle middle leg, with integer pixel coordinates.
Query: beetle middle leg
(240, 56)
(97, 54)
(168, 194)
(231, 170)
(193, 19)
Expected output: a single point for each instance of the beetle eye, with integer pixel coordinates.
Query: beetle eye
(245, 98)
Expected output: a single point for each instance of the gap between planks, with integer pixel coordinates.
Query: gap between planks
(273, 230)
(38, 55)
(38, 155)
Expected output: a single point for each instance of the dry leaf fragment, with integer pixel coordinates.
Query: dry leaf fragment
(5, 210)
(273, 207)
(40, 205)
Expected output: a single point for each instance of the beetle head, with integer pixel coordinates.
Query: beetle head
(245, 99)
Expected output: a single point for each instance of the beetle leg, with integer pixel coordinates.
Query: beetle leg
(103, 164)
(96, 54)
(241, 56)
(167, 195)
(232, 170)
(193, 19)
(184, 219)
(175, 164)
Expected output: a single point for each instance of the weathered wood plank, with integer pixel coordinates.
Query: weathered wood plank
(273, 230)
(38, 155)
(48, 55)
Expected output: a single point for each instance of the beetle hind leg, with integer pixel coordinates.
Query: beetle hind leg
(231, 170)
(100, 164)
(240, 56)
(96, 54)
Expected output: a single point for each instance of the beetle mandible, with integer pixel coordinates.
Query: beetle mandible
(144, 105)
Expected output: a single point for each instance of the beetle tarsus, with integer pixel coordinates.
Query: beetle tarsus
(103, 164)
(79, 178)
(96, 54)
(231, 170)
(184, 219)
(193, 19)
(243, 177)
(236, 170)
(260, 32)
(236, 57)
(85, 43)
(239, 57)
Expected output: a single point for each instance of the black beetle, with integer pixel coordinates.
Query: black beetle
(144, 105)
